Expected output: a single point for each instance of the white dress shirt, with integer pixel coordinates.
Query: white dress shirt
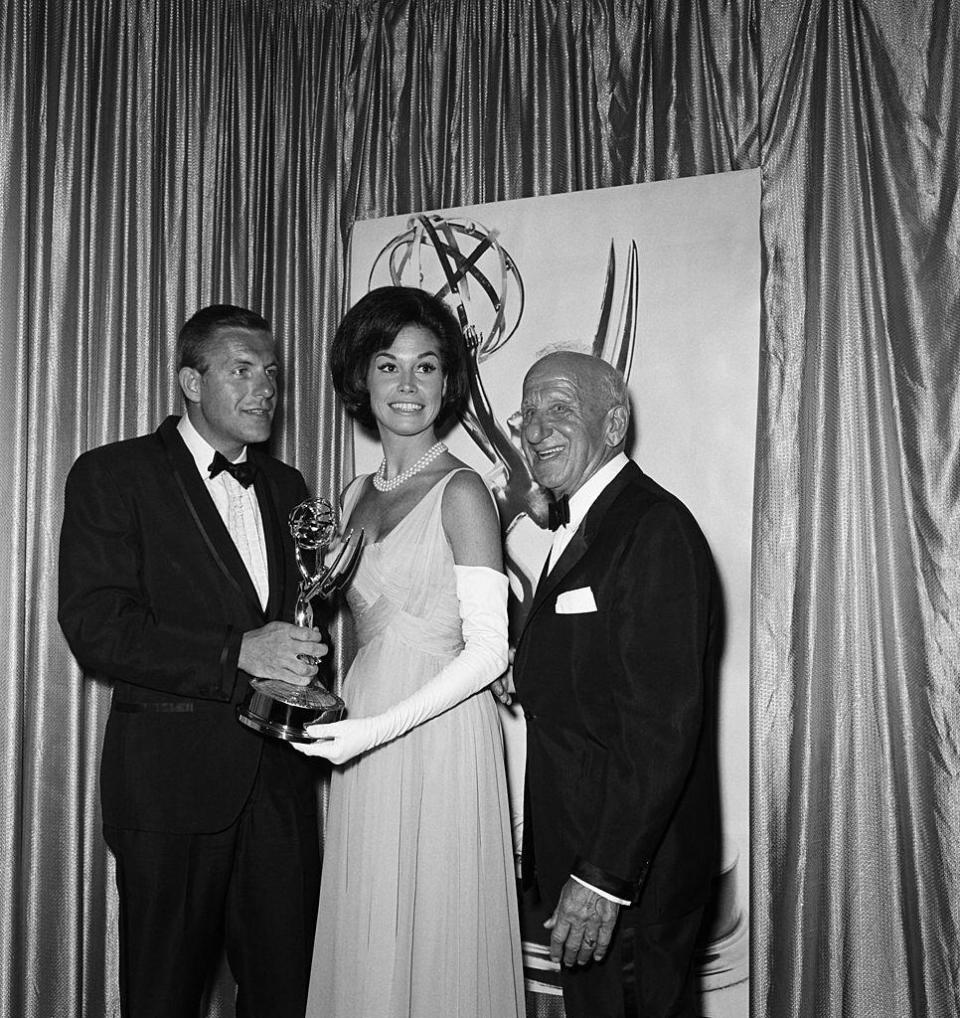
(581, 502)
(237, 505)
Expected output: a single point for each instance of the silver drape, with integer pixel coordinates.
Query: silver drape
(856, 698)
(155, 156)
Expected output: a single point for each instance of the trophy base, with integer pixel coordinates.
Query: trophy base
(283, 711)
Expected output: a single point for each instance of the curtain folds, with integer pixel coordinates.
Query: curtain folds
(457, 103)
(163, 154)
(157, 155)
(856, 610)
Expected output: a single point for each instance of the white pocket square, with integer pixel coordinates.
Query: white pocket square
(576, 602)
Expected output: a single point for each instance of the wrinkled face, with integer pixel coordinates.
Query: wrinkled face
(232, 403)
(406, 383)
(563, 432)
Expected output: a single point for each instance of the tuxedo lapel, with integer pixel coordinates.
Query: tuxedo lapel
(213, 530)
(549, 581)
(594, 519)
(582, 539)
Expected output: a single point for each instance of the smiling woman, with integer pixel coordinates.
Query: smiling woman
(418, 861)
(405, 383)
(372, 325)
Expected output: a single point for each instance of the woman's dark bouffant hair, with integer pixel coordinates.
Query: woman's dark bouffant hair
(372, 324)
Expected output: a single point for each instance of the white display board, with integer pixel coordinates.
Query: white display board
(685, 307)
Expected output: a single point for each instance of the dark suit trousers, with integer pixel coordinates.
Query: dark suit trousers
(254, 887)
(648, 973)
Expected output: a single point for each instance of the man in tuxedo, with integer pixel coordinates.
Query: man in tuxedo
(615, 668)
(176, 569)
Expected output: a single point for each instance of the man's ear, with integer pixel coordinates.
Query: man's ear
(190, 380)
(617, 422)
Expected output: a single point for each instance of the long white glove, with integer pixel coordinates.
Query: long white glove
(482, 593)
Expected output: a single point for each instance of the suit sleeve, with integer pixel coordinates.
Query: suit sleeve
(656, 697)
(111, 621)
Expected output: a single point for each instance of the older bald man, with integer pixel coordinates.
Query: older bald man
(616, 669)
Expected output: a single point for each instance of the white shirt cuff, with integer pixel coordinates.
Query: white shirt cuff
(603, 894)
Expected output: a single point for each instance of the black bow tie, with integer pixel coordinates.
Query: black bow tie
(558, 512)
(243, 473)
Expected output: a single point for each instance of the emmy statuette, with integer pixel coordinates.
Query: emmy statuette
(281, 709)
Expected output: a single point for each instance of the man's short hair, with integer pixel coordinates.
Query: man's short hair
(198, 331)
(373, 323)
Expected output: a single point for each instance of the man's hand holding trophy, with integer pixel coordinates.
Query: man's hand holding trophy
(283, 709)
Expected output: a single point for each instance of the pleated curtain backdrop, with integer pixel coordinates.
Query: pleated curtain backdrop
(856, 601)
(159, 155)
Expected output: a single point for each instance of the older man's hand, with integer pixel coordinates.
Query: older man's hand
(581, 925)
(502, 687)
(499, 689)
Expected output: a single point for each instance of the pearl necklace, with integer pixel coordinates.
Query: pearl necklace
(379, 478)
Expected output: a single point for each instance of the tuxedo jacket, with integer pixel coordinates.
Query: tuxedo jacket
(154, 598)
(616, 670)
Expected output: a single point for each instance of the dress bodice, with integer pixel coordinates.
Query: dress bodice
(405, 583)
